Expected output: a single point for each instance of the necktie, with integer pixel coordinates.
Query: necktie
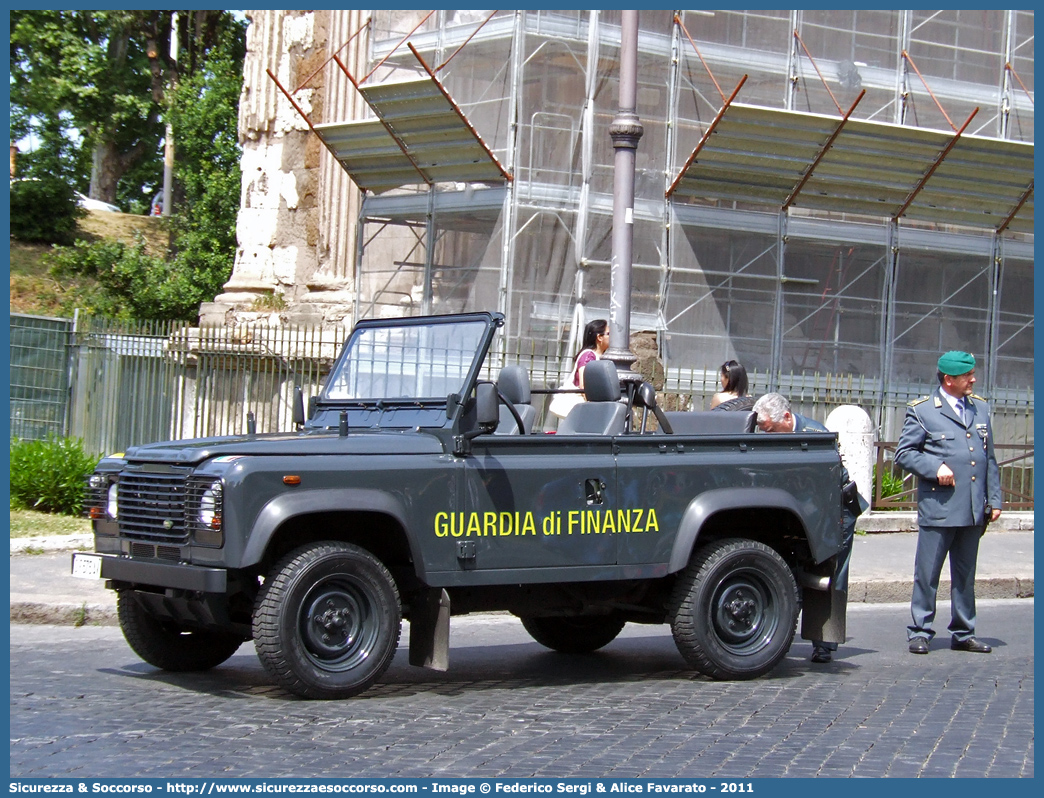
(962, 412)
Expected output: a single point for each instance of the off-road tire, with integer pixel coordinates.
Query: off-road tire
(578, 634)
(165, 645)
(734, 610)
(327, 620)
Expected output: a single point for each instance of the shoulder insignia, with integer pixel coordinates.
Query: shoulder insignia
(980, 398)
(916, 402)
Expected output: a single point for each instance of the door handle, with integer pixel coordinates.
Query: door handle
(594, 490)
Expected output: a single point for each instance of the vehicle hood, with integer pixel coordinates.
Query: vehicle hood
(196, 450)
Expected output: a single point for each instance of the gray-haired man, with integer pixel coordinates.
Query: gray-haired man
(775, 415)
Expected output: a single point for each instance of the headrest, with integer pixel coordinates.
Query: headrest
(513, 382)
(600, 381)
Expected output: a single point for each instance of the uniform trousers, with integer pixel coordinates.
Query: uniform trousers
(933, 544)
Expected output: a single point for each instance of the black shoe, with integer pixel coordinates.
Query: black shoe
(821, 654)
(970, 644)
(918, 645)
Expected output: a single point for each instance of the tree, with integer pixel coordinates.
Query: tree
(103, 77)
(204, 114)
(89, 73)
(203, 110)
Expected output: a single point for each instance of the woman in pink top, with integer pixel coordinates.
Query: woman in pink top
(596, 341)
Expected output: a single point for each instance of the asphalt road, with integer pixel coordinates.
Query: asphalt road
(83, 705)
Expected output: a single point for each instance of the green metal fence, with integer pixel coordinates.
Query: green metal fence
(117, 384)
(123, 383)
(40, 376)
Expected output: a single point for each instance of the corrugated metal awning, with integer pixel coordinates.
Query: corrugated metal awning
(419, 136)
(761, 155)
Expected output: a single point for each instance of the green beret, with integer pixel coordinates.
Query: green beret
(956, 363)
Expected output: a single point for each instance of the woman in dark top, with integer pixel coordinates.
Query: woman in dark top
(733, 393)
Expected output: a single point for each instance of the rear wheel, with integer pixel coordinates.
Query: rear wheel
(165, 645)
(734, 610)
(327, 621)
(578, 634)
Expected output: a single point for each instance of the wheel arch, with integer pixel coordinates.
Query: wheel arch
(709, 516)
(371, 519)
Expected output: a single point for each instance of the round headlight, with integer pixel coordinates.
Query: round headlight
(210, 507)
(112, 505)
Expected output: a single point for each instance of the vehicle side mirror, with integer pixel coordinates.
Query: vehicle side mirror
(311, 406)
(487, 407)
(487, 416)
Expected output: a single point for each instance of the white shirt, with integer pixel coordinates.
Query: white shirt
(956, 403)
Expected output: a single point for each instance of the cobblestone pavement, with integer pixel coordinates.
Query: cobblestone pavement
(83, 705)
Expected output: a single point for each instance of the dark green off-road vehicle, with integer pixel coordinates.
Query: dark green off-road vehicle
(416, 490)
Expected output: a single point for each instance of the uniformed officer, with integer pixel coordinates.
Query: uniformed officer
(947, 441)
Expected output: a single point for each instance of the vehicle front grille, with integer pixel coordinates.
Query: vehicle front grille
(152, 505)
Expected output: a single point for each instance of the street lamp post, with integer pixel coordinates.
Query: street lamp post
(625, 131)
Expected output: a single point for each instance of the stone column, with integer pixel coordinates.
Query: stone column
(855, 438)
(298, 209)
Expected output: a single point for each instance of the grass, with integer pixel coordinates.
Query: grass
(35, 292)
(29, 523)
(124, 226)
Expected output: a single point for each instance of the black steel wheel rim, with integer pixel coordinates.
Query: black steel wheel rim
(744, 612)
(338, 623)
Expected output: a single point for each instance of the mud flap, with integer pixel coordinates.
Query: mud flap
(824, 615)
(429, 630)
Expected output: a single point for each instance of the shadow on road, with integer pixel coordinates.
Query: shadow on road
(480, 668)
(639, 654)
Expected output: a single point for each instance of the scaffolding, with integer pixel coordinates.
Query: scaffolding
(826, 216)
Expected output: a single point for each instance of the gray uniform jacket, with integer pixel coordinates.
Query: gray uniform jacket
(805, 424)
(932, 435)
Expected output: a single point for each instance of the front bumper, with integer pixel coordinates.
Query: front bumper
(157, 574)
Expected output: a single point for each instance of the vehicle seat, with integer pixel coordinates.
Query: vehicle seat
(710, 422)
(513, 382)
(603, 413)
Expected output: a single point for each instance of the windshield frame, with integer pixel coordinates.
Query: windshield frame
(381, 333)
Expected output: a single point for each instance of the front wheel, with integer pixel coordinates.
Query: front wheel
(165, 645)
(579, 634)
(327, 621)
(734, 610)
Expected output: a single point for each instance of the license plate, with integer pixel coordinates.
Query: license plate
(86, 566)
